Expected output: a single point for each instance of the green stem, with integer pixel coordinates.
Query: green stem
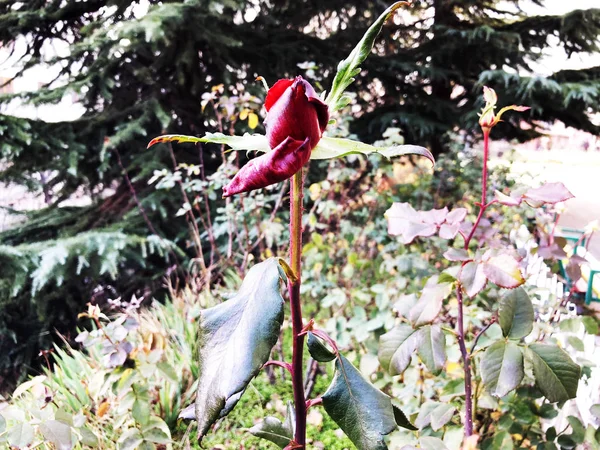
(295, 307)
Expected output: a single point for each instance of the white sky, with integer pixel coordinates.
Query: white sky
(556, 58)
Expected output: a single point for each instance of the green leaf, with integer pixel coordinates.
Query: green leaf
(432, 348)
(402, 420)
(88, 437)
(571, 325)
(441, 415)
(131, 439)
(502, 441)
(515, 314)
(140, 410)
(472, 278)
(429, 305)
(576, 343)
(272, 429)
(502, 367)
(361, 410)
(595, 411)
(156, 436)
(503, 270)
(432, 443)
(20, 435)
(58, 433)
(424, 416)
(590, 324)
(168, 371)
(349, 67)
(318, 350)
(396, 348)
(246, 142)
(235, 341)
(328, 148)
(555, 373)
(551, 434)
(578, 433)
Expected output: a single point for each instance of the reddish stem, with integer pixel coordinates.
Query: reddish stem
(283, 364)
(484, 175)
(296, 308)
(466, 356)
(314, 402)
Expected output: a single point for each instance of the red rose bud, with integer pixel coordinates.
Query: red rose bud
(296, 119)
(272, 167)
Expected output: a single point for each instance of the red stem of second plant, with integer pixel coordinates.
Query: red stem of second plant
(295, 306)
(466, 357)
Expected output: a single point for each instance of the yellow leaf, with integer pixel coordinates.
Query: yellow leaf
(252, 121)
(103, 408)
(454, 368)
(244, 113)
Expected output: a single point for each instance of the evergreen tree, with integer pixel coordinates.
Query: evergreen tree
(140, 73)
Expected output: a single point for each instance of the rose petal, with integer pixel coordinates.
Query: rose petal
(294, 115)
(277, 91)
(272, 167)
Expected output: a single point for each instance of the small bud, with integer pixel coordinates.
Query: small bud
(490, 97)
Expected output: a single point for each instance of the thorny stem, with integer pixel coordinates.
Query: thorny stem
(466, 356)
(295, 307)
(484, 175)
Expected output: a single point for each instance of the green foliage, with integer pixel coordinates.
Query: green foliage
(235, 341)
(364, 412)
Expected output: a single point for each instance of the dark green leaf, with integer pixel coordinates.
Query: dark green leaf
(318, 350)
(555, 373)
(349, 67)
(58, 433)
(402, 420)
(548, 411)
(361, 410)
(578, 432)
(515, 314)
(432, 348)
(235, 341)
(551, 434)
(502, 367)
(396, 348)
(566, 441)
(272, 429)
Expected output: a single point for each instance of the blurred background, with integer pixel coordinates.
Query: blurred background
(88, 215)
